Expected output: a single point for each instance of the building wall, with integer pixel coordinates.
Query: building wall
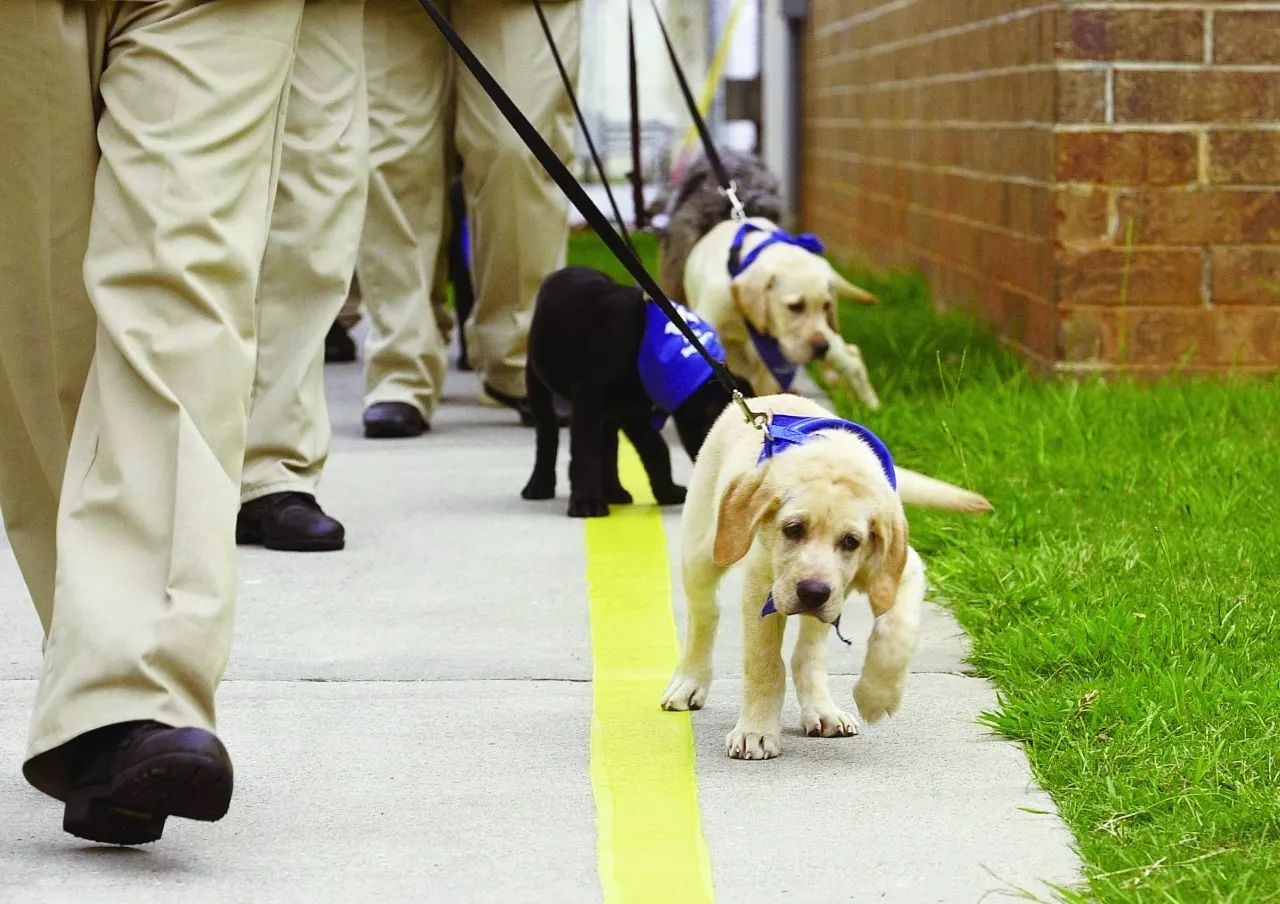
(1099, 180)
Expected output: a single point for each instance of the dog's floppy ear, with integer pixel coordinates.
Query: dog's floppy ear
(889, 533)
(842, 287)
(743, 504)
(751, 296)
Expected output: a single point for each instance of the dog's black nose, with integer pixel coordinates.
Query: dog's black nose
(820, 348)
(812, 594)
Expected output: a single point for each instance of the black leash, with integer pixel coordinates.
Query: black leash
(582, 201)
(582, 123)
(727, 187)
(633, 90)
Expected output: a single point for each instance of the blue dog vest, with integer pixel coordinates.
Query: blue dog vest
(670, 368)
(786, 431)
(766, 346)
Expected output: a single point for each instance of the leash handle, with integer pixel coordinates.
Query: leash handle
(577, 195)
(582, 122)
(727, 186)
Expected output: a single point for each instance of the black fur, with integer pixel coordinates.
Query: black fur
(583, 344)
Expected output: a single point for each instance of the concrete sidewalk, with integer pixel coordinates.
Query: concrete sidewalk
(411, 717)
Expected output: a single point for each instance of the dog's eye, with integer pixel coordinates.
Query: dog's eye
(796, 307)
(849, 542)
(793, 530)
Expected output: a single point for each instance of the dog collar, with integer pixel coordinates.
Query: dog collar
(738, 263)
(670, 368)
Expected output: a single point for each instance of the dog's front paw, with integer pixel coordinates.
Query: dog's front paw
(745, 742)
(686, 692)
(877, 699)
(672, 495)
(618, 496)
(587, 507)
(828, 723)
(539, 487)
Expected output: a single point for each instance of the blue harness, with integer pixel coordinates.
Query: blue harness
(670, 368)
(787, 431)
(766, 346)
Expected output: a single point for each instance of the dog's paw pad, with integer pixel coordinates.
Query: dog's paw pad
(685, 692)
(745, 744)
(829, 723)
(875, 701)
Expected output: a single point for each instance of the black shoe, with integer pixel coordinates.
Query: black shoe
(293, 522)
(126, 779)
(339, 347)
(393, 420)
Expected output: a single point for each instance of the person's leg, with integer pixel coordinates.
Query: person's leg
(190, 102)
(518, 217)
(50, 155)
(408, 68)
(306, 274)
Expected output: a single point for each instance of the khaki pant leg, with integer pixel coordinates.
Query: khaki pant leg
(408, 81)
(189, 134)
(46, 338)
(349, 316)
(519, 218)
(311, 251)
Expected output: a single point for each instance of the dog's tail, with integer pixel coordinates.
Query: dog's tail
(917, 489)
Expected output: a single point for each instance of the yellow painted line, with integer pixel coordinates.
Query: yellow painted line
(649, 827)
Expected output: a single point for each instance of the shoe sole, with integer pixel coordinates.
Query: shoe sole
(378, 432)
(132, 808)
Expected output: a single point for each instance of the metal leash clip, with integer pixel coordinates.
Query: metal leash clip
(754, 418)
(737, 212)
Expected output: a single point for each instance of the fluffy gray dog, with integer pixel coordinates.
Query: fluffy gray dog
(694, 205)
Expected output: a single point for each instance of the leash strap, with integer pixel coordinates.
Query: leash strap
(633, 92)
(560, 174)
(727, 187)
(770, 608)
(582, 122)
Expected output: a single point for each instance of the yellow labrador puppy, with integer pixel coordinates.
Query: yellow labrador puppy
(816, 518)
(772, 297)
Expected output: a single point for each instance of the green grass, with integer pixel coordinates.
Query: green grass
(1122, 597)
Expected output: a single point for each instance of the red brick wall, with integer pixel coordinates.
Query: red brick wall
(1098, 179)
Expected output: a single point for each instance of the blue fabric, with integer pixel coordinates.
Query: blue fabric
(670, 368)
(738, 263)
(770, 353)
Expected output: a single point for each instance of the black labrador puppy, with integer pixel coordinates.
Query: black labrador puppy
(619, 362)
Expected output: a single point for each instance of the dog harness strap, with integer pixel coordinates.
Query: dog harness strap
(785, 431)
(771, 354)
(738, 263)
(670, 368)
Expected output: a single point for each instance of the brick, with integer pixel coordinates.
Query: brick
(1173, 217)
(1150, 35)
(1246, 276)
(1244, 157)
(1127, 158)
(1082, 96)
(1246, 36)
(1081, 216)
(1172, 96)
(1245, 336)
(1138, 277)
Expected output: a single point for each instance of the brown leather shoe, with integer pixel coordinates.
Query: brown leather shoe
(129, 777)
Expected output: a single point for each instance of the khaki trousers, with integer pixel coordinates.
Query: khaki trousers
(518, 217)
(311, 250)
(155, 224)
